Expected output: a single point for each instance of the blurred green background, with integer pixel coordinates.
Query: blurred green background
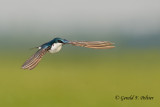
(80, 77)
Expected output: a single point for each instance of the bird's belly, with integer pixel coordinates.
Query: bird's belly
(55, 48)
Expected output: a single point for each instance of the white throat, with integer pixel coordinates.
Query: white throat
(56, 47)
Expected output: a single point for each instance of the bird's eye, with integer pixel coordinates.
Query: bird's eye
(60, 41)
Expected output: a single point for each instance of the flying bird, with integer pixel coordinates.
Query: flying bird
(56, 44)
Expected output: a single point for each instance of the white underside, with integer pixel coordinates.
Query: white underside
(56, 47)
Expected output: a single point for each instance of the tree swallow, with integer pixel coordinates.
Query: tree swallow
(56, 44)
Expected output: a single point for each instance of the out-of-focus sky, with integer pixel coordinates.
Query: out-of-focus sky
(138, 17)
(125, 22)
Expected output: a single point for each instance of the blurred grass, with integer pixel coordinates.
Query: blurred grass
(86, 79)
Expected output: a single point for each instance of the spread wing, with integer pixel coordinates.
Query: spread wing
(33, 61)
(93, 44)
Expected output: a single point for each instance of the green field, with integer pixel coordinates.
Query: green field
(87, 79)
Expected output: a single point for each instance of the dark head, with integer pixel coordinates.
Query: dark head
(59, 40)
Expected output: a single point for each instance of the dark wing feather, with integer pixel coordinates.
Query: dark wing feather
(93, 44)
(33, 61)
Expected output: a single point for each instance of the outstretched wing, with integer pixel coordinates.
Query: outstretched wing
(93, 44)
(33, 61)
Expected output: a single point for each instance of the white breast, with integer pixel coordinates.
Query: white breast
(56, 47)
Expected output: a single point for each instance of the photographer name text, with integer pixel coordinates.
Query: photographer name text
(133, 97)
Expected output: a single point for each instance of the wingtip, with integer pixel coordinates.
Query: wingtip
(23, 67)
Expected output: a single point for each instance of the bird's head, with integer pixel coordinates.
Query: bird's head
(60, 40)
